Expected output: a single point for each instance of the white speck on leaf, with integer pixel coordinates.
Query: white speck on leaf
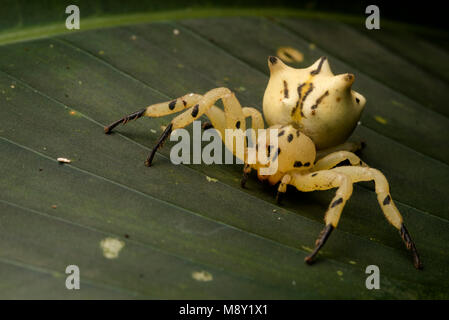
(64, 160)
(111, 247)
(202, 276)
(211, 179)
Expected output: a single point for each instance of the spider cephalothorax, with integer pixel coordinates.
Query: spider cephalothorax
(306, 109)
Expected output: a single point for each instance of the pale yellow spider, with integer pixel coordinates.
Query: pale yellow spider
(311, 109)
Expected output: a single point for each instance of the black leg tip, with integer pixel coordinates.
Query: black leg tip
(309, 260)
(418, 265)
(279, 198)
(107, 130)
(147, 163)
(410, 245)
(272, 59)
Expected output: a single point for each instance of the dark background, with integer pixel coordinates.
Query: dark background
(19, 13)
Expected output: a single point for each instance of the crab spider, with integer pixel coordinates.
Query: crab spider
(313, 113)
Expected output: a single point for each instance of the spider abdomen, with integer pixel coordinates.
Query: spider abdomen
(322, 104)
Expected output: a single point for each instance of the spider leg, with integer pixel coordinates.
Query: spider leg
(331, 160)
(324, 180)
(282, 187)
(246, 172)
(256, 117)
(213, 113)
(231, 118)
(347, 146)
(257, 123)
(219, 117)
(385, 201)
(125, 119)
(158, 110)
(159, 144)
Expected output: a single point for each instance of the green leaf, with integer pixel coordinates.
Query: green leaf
(187, 236)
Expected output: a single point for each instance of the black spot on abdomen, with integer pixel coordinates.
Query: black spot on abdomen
(320, 65)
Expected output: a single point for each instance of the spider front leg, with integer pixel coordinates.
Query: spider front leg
(158, 110)
(385, 202)
(343, 177)
(232, 117)
(256, 123)
(324, 180)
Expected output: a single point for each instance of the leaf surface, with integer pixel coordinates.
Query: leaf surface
(57, 94)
